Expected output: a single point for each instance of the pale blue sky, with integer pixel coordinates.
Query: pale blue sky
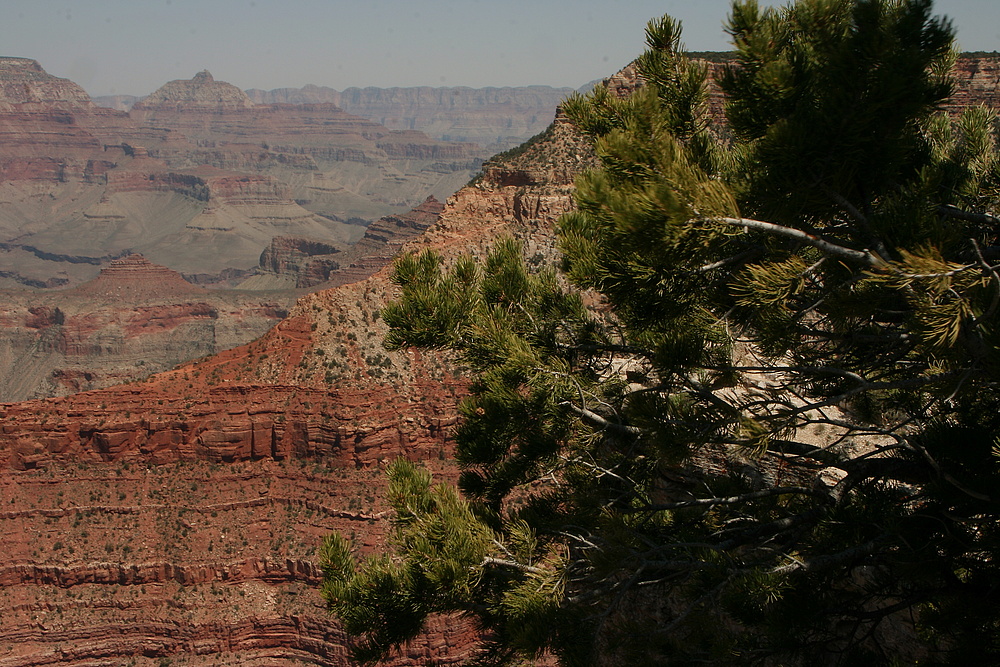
(134, 46)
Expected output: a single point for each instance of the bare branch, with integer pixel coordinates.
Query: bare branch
(746, 497)
(824, 562)
(503, 562)
(600, 422)
(863, 256)
(950, 211)
(735, 259)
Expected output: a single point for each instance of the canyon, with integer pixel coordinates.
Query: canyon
(178, 518)
(138, 318)
(197, 177)
(199, 180)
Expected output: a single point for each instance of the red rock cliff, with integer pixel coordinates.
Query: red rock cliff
(210, 486)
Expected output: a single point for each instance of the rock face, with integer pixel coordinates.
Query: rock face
(977, 81)
(179, 517)
(134, 319)
(307, 261)
(310, 263)
(124, 564)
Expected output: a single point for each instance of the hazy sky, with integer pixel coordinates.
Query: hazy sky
(134, 46)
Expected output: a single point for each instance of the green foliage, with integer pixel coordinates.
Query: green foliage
(387, 600)
(780, 439)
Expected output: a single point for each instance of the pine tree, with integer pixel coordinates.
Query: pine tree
(782, 440)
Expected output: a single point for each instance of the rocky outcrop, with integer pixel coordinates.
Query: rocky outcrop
(134, 278)
(200, 92)
(308, 262)
(384, 237)
(23, 81)
(556, 156)
(134, 319)
(311, 263)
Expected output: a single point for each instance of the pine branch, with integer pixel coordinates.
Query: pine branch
(862, 256)
(735, 259)
(597, 348)
(950, 211)
(832, 560)
(600, 422)
(801, 449)
(995, 279)
(503, 562)
(746, 497)
(744, 536)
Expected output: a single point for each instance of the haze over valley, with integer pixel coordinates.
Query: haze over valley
(266, 195)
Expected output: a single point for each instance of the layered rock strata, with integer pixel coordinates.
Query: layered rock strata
(136, 318)
(222, 476)
(977, 82)
(307, 261)
(311, 263)
(197, 177)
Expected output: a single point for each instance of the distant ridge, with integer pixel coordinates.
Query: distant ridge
(495, 118)
(202, 90)
(22, 80)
